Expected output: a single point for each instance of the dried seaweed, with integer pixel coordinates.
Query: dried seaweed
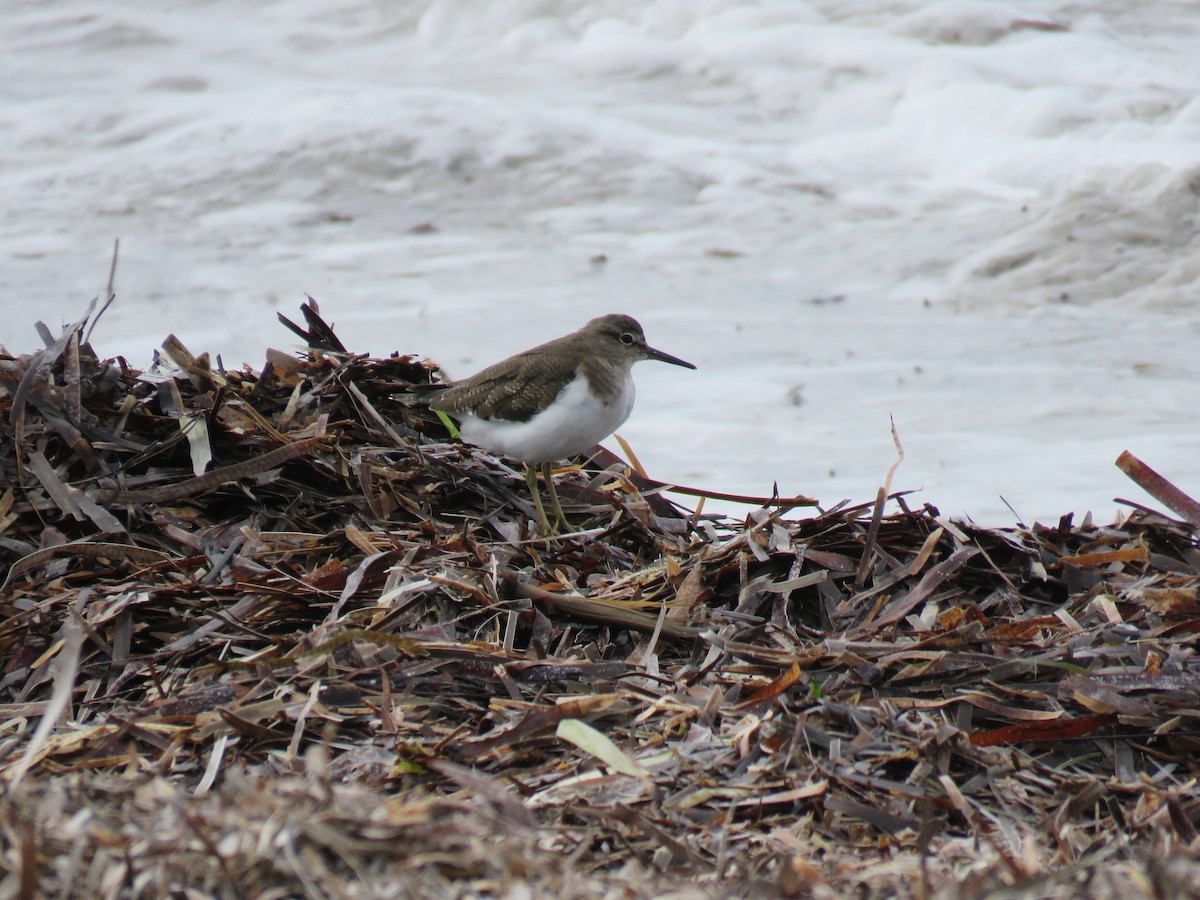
(339, 660)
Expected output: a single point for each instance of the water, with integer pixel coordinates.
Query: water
(977, 218)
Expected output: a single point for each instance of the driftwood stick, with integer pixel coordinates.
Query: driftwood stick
(216, 477)
(1159, 488)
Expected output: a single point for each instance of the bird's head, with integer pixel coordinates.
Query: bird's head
(621, 337)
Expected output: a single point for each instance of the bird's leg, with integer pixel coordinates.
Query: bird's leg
(560, 520)
(531, 480)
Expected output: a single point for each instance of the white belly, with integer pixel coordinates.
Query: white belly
(572, 424)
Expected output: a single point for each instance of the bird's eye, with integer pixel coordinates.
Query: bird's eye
(626, 338)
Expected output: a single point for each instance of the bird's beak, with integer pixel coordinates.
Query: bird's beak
(651, 353)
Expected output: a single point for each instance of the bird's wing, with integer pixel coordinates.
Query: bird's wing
(504, 391)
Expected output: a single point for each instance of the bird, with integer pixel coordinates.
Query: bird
(555, 400)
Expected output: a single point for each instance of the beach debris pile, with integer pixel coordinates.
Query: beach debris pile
(273, 631)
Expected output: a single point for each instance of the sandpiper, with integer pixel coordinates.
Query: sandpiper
(554, 401)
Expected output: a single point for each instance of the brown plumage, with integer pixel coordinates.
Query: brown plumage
(518, 388)
(553, 401)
